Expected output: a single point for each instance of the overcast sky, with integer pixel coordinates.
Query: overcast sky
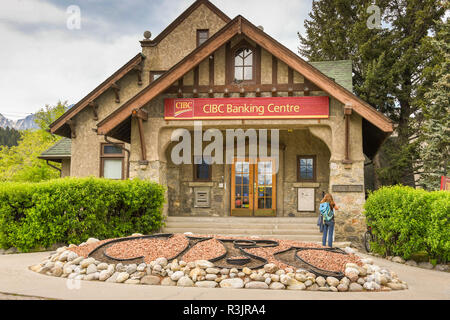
(43, 61)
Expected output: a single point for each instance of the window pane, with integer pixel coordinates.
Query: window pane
(238, 61)
(111, 149)
(202, 36)
(307, 168)
(238, 73)
(203, 171)
(248, 61)
(248, 73)
(112, 168)
(156, 76)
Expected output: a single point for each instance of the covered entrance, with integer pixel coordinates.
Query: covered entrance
(253, 188)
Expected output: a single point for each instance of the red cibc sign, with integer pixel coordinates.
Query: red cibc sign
(247, 108)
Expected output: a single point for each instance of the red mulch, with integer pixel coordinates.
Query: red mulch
(152, 249)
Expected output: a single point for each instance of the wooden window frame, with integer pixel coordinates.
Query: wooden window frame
(314, 157)
(115, 156)
(198, 35)
(156, 72)
(202, 180)
(255, 62)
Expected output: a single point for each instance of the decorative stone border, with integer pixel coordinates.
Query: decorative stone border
(412, 263)
(65, 263)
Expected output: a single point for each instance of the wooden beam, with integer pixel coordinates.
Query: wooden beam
(347, 114)
(94, 106)
(71, 124)
(116, 89)
(274, 70)
(211, 70)
(141, 116)
(138, 68)
(228, 76)
(234, 88)
(196, 76)
(258, 65)
(140, 113)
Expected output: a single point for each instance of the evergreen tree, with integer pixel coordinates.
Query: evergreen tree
(435, 130)
(9, 137)
(391, 64)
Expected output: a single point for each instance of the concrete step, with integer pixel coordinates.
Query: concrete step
(252, 220)
(301, 237)
(257, 232)
(228, 225)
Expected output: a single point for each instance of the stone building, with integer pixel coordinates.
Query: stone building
(230, 74)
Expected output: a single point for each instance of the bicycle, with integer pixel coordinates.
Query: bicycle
(368, 237)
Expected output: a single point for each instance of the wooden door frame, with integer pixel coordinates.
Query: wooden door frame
(252, 194)
(265, 212)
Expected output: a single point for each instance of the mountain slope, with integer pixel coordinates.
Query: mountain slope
(21, 124)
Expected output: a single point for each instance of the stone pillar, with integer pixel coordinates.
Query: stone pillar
(345, 179)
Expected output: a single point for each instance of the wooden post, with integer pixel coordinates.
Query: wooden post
(141, 115)
(347, 114)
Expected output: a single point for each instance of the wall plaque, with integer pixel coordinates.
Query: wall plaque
(347, 188)
(305, 199)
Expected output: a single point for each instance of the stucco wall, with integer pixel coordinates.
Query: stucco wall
(86, 145)
(65, 168)
(182, 40)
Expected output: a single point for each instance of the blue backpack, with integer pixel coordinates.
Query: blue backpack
(326, 212)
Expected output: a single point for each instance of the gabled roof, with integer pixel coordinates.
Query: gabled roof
(182, 17)
(60, 150)
(339, 70)
(60, 127)
(240, 25)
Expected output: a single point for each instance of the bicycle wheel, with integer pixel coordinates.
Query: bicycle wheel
(367, 239)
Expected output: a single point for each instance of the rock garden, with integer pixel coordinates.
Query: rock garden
(211, 261)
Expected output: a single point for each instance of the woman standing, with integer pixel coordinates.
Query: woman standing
(327, 209)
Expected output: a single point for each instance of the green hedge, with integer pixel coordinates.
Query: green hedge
(70, 210)
(407, 220)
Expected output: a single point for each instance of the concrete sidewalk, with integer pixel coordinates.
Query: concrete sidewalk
(16, 278)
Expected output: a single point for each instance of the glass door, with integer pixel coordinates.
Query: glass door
(253, 188)
(265, 186)
(242, 188)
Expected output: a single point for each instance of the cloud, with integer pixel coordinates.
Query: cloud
(43, 61)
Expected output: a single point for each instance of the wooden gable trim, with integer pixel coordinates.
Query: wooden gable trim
(222, 37)
(104, 86)
(166, 80)
(317, 77)
(181, 18)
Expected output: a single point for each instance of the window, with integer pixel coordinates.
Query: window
(112, 161)
(306, 168)
(202, 36)
(243, 64)
(202, 172)
(155, 75)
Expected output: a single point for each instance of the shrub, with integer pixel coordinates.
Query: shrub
(407, 220)
(71, 210)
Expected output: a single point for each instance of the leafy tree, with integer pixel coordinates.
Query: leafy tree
(435, 130)
(391, 64)
(47, 115)
(21, 163)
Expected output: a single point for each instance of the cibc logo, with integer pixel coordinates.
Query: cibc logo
(183, 106)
